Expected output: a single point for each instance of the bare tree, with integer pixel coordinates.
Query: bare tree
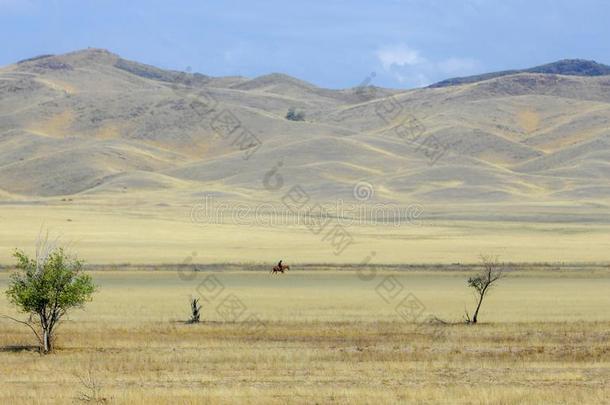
(195, 310)
(483, 282)
(91, 386)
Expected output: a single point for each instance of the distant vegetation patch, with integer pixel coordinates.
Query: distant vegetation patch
(35, 58)
(52, 64)
(153, 73)
(293, 115)
(43, 63)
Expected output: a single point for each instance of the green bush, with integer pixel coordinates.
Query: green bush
(292, 115)
(47, 287)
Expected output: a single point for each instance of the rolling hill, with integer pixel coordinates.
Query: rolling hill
(90, 122)
(566, 67)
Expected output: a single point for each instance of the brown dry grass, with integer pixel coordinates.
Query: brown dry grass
(132, 338)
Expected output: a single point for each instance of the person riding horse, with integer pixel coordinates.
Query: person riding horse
(280, 268)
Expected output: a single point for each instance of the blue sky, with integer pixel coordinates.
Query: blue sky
(332, 43)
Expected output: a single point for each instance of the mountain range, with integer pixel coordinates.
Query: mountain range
(90, 123)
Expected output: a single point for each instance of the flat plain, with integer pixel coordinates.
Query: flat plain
(139, 230)
(323, 335)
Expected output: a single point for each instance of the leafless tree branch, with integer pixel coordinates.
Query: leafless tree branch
(26, 324)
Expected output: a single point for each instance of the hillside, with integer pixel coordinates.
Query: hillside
(567, 67)
(86, 122)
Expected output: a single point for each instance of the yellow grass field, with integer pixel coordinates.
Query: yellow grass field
(140, 231)
(322, 335)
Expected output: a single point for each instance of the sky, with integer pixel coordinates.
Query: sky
(331, 43)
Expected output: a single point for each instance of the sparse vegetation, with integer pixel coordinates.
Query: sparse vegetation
(483, 282)
(344, 334)
(46, 288)
(293, 115)
(91, 386)
(195, 310)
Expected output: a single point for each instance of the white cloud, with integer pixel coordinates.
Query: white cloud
(409, 67)
(399, 56)
(418, 79)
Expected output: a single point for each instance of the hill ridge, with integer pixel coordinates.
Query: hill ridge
(568, 67)
(74, 123)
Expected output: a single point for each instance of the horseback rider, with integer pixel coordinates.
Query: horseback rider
(279, 265)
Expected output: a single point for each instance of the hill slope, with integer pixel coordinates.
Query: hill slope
(90, 122)
(567, 67)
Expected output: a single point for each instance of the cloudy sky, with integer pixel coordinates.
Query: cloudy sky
(332, 43)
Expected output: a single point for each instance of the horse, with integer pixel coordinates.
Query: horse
(277, 269)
